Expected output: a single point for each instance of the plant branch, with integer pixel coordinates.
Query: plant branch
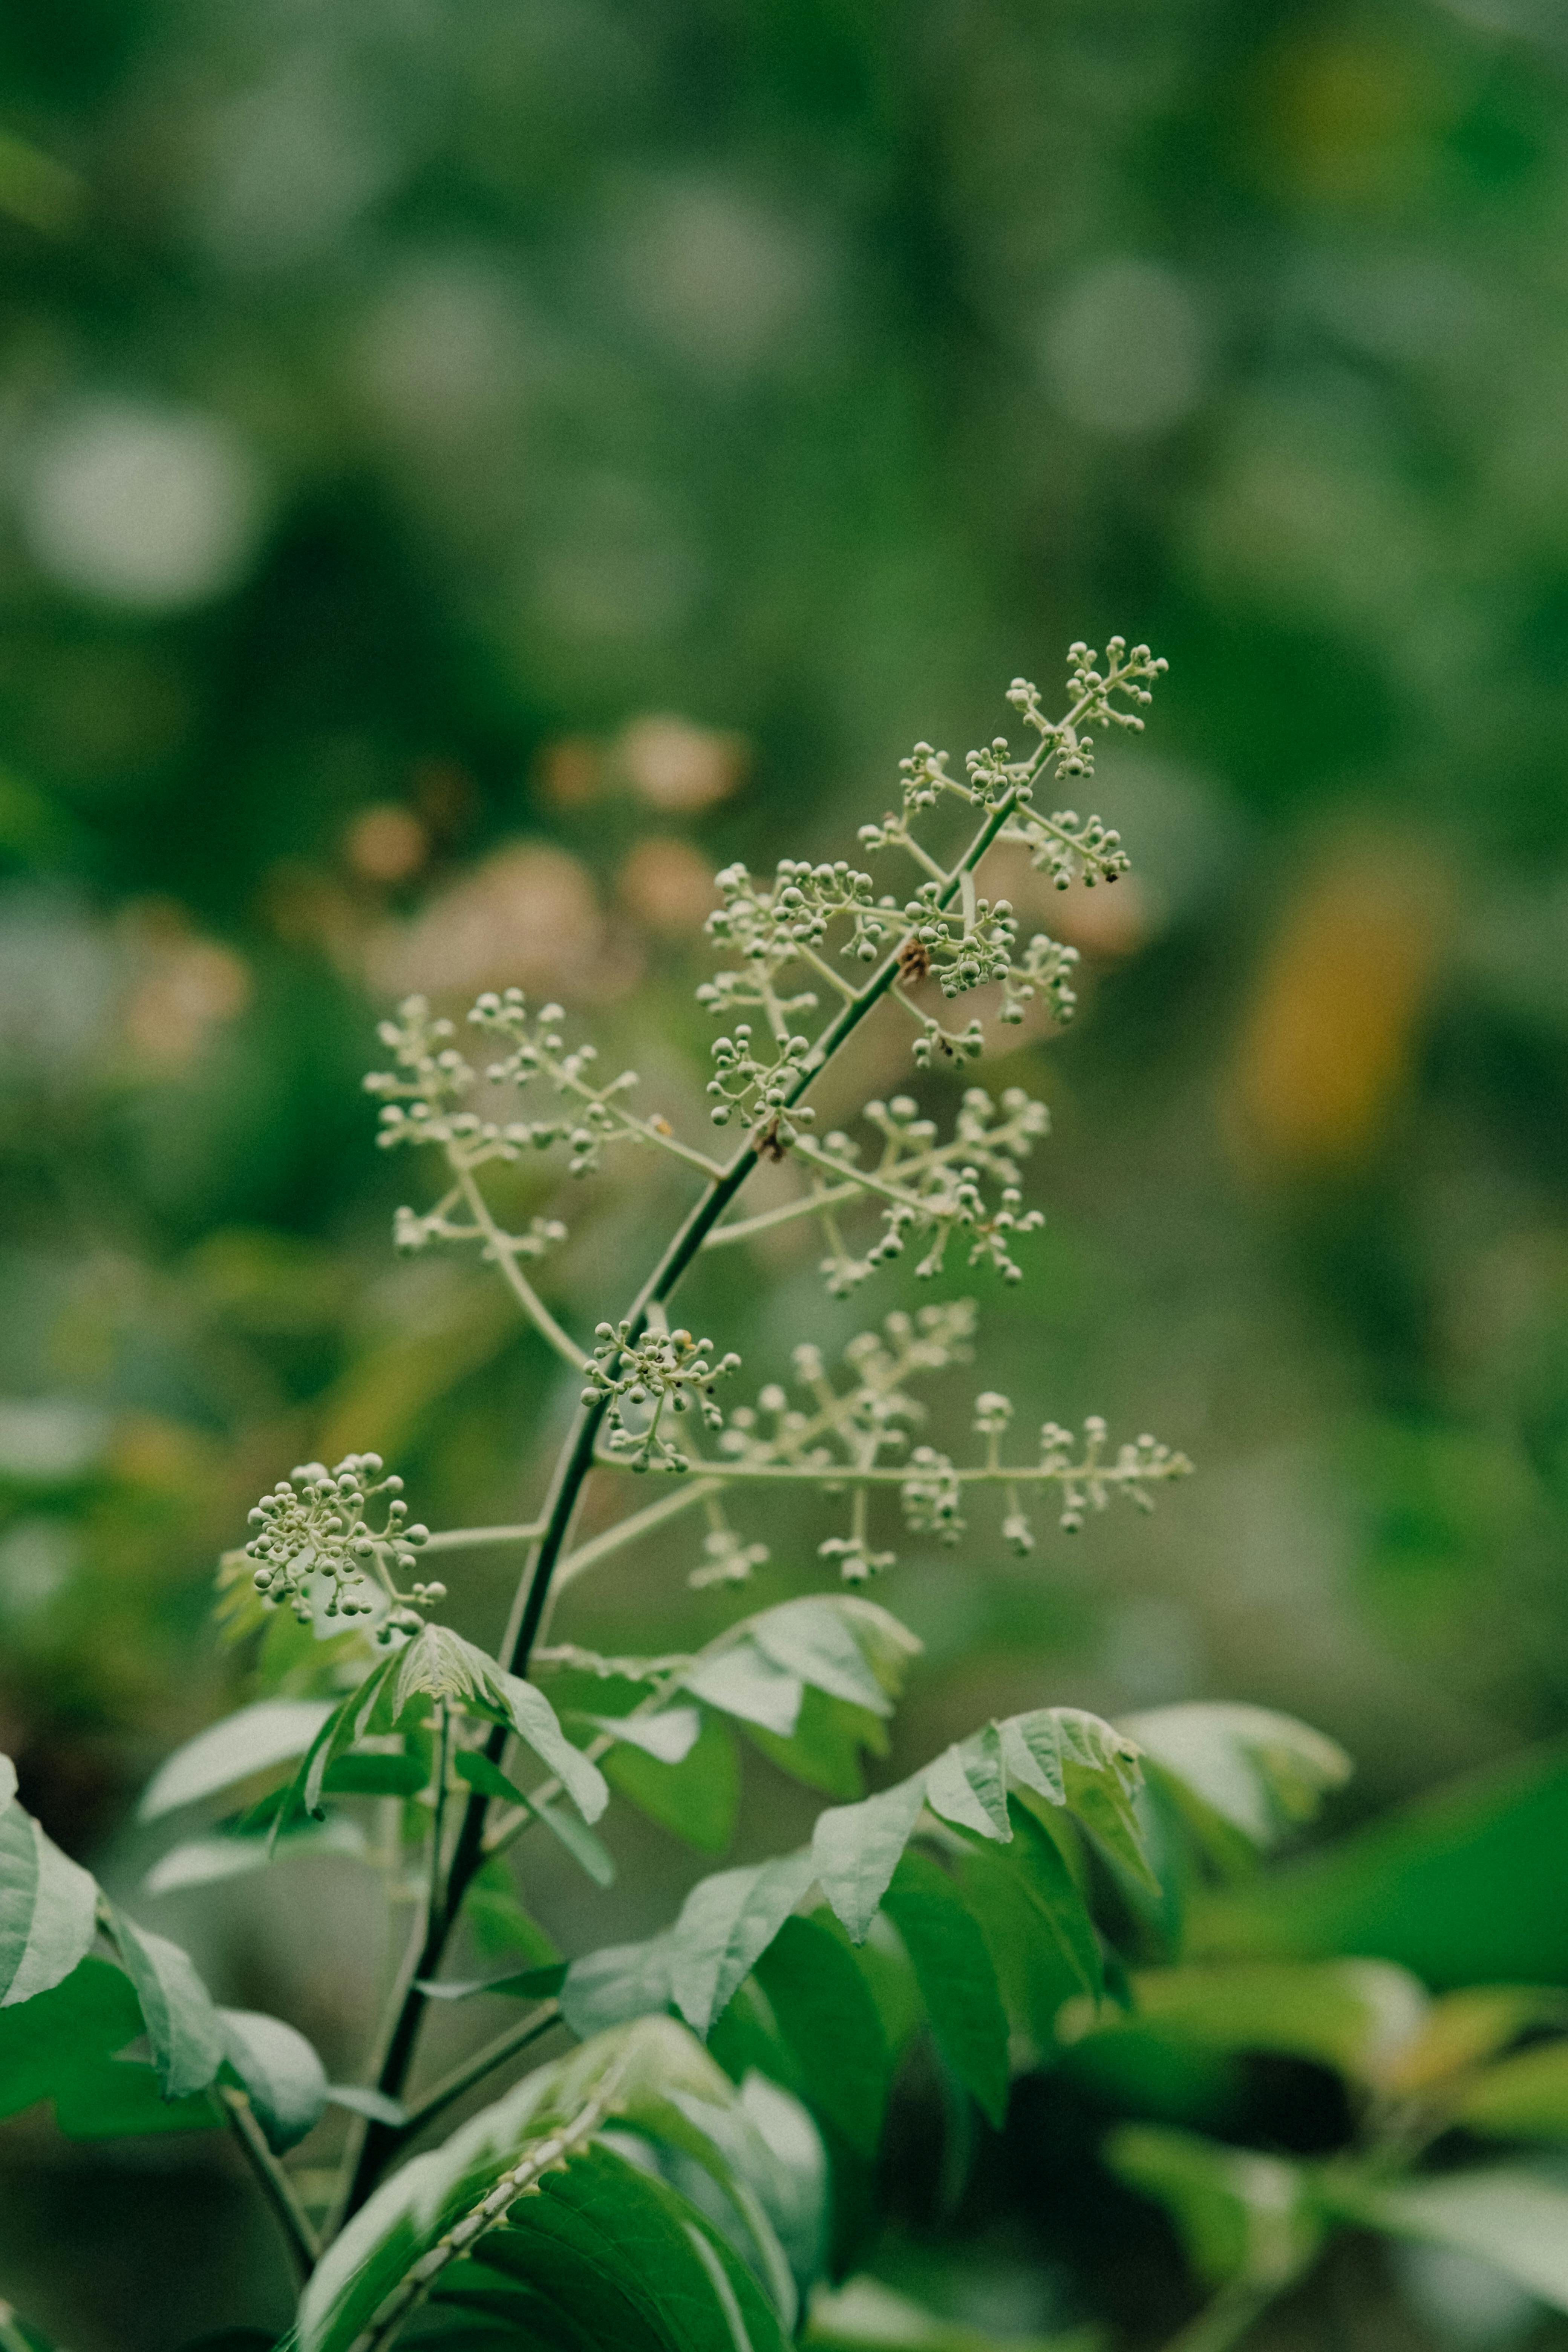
(468, 1538)
(502, 1253)
(638, 1523)
(276, 2188)
(573, 1465)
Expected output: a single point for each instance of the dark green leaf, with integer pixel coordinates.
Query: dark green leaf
(696, 1796)
(48, 1905)
(475, 1768)
(375, 1776)
(622, 2260)
(1040, 1937)
(438, 1664)
(651, 2077)
(283, 2077)
(182, 2026)
(253, 1741)
(579, 1840)
(829, 2019)
(957, 1981)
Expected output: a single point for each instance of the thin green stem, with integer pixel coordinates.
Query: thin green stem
(502, 1252)
(809, 1204)
(638, 1523)
(825, 970)
(276, 2188)
(474, 2070)
(468, 1538)
(896, 1473)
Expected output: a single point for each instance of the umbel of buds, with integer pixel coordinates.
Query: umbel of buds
(314, 1524)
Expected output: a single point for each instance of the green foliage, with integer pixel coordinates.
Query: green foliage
(999, 1905)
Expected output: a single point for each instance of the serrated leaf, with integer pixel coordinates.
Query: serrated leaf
(829, 2022)
(1506, 2215)
(199, 1861)
(281, 2074)
(47, 1908)
(814, 1640)
(856, 1848)
(253, 1741)
(609, 2256)
(967, 1785)
(439, 1664)
(650, 2077)
(1241, 2215)
(741, 1682)
(1260, 1772)
(697, 1797)
(182, 2025)
(957, 1981)
(726, 1923)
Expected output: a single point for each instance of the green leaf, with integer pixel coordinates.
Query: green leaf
(272, 1732)
(1040, 1937)
(19, 2334)
(741, 1682)
(1356, 2016)
(824, 1749)
(1241, 2215)
(1524, 2098)
(182, 2026)
(957, 1981)
(815, 1639)
(669, 1737)
(579, 1840)
(48, 1905)
(1504, 2215)
(360, 2100)
(1244, 1769)
(609, 2257)
(283, 2077)
(497, 1920)
(829, 2022)
(967, 1786)
(856, 1848)
(370, 1707)
(62, 2046)
(230, 1853)
(1069, 1757)
(438, 1664)
(695, 1795)
(650, 2077)
(1451, 1886)
(377, 1776)
(613, 1987)
(725, 1925)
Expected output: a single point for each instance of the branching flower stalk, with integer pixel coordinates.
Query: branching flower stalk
(790, 937)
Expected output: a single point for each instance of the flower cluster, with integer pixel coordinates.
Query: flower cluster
(314, 1524)
(740, 1081)
(661, 1370)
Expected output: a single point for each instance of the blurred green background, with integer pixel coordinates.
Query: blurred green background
(469, 471)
